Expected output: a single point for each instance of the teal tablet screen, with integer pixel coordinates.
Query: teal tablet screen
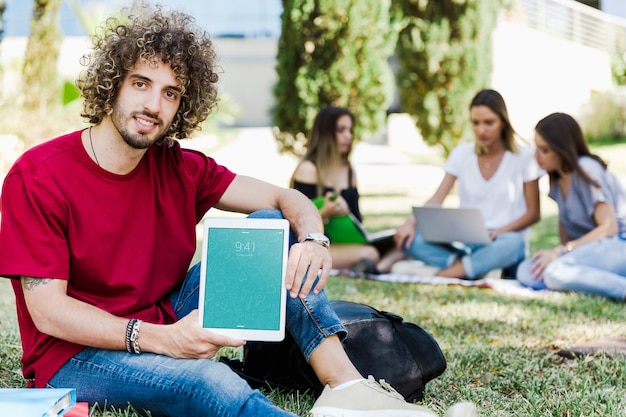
(243, 276)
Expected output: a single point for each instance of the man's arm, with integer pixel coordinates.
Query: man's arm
(306, 259)
(64, 317)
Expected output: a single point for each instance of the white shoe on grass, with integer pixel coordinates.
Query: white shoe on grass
(462, 409)
(413, 267)
(367, 398)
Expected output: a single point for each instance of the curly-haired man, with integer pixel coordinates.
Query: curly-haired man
(99, 228)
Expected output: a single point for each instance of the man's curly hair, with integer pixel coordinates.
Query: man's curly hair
(171, 37)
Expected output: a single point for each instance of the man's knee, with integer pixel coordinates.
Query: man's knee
(266, 214)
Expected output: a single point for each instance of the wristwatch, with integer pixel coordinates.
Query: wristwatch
(317, 238)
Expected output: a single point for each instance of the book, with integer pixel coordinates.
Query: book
(348, 229)
(81, 409)
(36, 402)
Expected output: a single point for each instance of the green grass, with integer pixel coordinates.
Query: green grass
(501, 350)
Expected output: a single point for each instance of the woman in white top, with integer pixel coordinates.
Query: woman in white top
(592, 216)
(494, 176)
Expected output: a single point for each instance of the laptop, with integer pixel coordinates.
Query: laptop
(242, 281)
(446, 225)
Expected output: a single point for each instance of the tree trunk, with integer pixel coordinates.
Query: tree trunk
(2, 7)
(41, 89)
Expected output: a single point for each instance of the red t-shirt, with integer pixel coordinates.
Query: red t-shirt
(123, 242)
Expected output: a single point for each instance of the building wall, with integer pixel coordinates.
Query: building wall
(539, 74)
(248, 77)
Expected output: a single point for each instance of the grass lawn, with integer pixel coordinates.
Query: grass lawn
(501, 350)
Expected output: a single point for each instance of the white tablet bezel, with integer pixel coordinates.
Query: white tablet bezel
(249, 334)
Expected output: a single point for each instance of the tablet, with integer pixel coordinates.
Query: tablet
(242, 281)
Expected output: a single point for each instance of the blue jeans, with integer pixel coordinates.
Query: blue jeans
(190, 387)
(595, 268)
(505, 252)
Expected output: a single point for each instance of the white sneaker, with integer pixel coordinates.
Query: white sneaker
(367, 398)
(494, 273)
(414, 268)
(462, 409)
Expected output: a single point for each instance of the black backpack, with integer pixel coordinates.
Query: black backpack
(379, 343)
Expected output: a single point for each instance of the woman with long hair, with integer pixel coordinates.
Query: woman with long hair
(592, 216)
(325, 171)
(494, 175)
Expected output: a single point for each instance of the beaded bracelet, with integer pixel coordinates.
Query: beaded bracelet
(134, 338)
(129, 332)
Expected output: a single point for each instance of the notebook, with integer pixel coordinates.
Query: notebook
(446, 225)
(36, 402)
(242, 285)
(348, 229)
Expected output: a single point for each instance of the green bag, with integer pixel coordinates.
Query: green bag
(343, 229)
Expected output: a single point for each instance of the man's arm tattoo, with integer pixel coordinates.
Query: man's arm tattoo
(29, 283)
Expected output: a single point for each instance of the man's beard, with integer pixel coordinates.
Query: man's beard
(135, 140)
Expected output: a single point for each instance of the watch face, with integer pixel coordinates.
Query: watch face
(319, 238)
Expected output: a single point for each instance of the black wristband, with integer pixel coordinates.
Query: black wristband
(129, 333)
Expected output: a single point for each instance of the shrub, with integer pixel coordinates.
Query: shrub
(604, 116)
(444, 58)
(332, 52)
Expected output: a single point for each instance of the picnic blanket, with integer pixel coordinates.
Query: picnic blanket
(506, 286)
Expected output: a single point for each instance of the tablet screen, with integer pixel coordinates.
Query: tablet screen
(242, 287)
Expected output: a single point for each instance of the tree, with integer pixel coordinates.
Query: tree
(2, 8)
(41, 83)
(444, 58)
(332, 52)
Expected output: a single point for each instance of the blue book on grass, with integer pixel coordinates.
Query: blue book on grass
(36, 402)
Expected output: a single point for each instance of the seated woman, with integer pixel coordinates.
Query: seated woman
(493, 176)
(592, 216)
(325, 170)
